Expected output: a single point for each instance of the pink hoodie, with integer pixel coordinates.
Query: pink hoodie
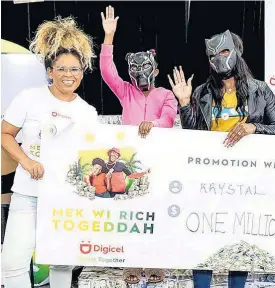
(159, 107)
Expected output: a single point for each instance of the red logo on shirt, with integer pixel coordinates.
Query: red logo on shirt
(272, 81)
(55, 114)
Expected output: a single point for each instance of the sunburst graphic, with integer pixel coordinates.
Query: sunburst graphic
(90, 137)
(120, 135)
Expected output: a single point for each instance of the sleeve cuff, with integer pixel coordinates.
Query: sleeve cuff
(258, 128)
(182, 108)
(107, 50)
(13, 122)
(155, 123)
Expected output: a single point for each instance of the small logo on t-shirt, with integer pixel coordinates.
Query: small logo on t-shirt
(35, 150)
(52, 129)
(55, 114)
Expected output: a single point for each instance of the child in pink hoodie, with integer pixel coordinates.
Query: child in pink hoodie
(143, 104)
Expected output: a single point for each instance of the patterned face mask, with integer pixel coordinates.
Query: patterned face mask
(222, 53)
(141, 69)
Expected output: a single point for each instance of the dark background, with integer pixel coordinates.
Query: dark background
(145, 25)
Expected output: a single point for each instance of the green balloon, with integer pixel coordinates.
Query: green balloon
(41, 274)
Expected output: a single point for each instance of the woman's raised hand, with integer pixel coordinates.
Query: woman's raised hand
(109, 22)
(181, 89)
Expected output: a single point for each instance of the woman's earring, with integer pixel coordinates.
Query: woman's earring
(50, 81)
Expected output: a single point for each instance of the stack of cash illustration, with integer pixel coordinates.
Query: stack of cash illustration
(81, 188)
(240, 257)
(138, 188)
(99, 277)
(116, 120)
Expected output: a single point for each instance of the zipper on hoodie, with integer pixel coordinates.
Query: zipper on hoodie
(145, 108)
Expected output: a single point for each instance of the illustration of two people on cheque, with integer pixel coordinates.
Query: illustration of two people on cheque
(109, 178)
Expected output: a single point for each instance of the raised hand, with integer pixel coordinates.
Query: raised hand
(109, 23)
(181, 89)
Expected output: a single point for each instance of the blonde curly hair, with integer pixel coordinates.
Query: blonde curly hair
(60, 36)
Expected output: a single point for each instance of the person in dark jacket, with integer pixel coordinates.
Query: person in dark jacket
(231, 100)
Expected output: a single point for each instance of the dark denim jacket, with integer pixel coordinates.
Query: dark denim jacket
(197, 114)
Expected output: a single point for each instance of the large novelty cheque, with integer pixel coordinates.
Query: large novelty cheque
(177, 199)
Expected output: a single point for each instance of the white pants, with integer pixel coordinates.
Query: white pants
(19, 245)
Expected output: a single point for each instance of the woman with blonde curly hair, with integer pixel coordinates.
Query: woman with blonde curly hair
(66, 52)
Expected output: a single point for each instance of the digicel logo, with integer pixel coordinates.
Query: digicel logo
(55, 114)
(87, 248)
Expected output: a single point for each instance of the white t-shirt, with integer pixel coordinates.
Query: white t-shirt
(28, 111)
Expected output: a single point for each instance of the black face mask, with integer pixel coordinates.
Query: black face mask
(226, 75)
(141, 69)
(222, 64)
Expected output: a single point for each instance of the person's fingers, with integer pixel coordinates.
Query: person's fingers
(170, 81)
(35, 172)
(143, 130)
(140, 129)
(239, 133)
(189, 81)
(229, 135)
(176, 80)
(236, 141)
(102, 16)
(116, 19)
(182, 76)
(228, 140)
(40, 172)
(32, 173)
(111, 12)
(146, 129)
(235, 134)
(107, 12)
(176, 75)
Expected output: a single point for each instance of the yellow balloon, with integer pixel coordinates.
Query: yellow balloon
(90, 137)
(120, 135)
(10, 47)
